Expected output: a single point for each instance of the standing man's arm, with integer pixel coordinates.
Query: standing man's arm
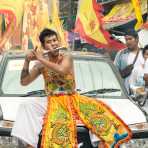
(117, 60)
(145, 77)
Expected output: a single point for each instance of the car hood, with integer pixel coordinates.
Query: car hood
(124, 108)
(129, 112)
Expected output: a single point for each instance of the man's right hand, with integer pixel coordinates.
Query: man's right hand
(30, 57)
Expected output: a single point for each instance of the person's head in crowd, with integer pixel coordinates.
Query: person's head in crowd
(145, 52)
(132, 39)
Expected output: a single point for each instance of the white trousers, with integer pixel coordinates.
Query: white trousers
(29, 120)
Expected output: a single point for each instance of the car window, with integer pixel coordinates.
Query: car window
(89, 75)
(96, 75)
(11, 81)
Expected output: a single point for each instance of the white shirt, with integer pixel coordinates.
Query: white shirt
(139, 60)
(136, 78)
(146, 67)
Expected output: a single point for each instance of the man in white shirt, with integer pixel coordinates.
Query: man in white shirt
(139, 76)
(127, 56)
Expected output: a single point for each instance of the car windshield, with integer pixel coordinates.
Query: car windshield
(96, 77)
(93, 77)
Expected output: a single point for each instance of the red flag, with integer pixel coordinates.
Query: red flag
(89, 25)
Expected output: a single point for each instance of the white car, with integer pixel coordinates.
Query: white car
(95, 75)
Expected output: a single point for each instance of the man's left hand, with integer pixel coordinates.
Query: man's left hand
(37, 54)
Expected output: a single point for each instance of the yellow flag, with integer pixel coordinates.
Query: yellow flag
(55, 23)
(40, 14)
(89, 25)
(138, 13)
(13, 11)
(90, 21)
(35, 18)
(117, 13)
(12, 7)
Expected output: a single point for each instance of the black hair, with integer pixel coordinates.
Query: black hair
(144, 49)
(131, 32)
(46, 32)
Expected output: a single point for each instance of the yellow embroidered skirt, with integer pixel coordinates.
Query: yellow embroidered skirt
(59, 129)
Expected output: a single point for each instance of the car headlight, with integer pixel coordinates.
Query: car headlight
(140, 136)
(6, 124)
(136, 143)
(139, 126)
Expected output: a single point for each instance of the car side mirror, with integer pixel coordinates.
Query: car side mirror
(140, 99)
(139, 95)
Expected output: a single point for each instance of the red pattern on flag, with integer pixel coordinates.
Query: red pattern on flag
(102, 38)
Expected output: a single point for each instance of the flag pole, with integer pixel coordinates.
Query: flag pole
(49, 10)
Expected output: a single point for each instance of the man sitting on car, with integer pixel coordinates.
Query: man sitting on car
(63, 105)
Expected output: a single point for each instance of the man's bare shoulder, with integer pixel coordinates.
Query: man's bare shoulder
(67, 55)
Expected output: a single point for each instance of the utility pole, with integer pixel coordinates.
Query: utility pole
(70, 23)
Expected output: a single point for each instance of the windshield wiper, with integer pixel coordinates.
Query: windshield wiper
(101, 91)
(40, 93)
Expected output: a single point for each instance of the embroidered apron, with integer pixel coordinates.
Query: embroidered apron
(65, 106)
